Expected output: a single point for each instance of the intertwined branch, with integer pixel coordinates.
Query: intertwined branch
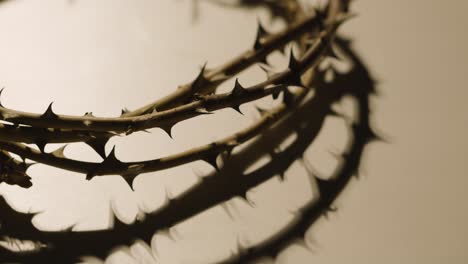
(314, 33)
(95, 131)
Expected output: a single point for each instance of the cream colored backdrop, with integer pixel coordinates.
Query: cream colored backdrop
(409, 205)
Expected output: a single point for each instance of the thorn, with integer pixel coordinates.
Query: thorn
(261, 33)
(301, 243)
(49, 113)
(200, 80)
(297, 81)
(111, 159)
(321, 16)
(68, 229)
(124, 111)
(264, 60)
(243, 195)
(212, 161)
(323, 185)
(294, 67)
(370, 134)
(367, 133)
(281, 176)
(99, 145)
(90, 176)
(238, 90)
(275, 95)
(168, 129)
(109, 162)
(129, 179)
(237, 109)
(41, 145)
(60, 152)
(293, 62)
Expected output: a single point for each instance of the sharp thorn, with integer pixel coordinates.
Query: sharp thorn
(200, 79)
(275, 95)
(167, 129)
(212, 160)
(41, 145)
(238, 90)
(261, 33)
(60, 152)
(293, 62)
(90, 176)
(237, 109)
(111, 159)
(49, 113)
(124, 111)
(99, 145)
(129, 179)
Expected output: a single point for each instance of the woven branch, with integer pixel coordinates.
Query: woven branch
(191, 100)
(112, 166)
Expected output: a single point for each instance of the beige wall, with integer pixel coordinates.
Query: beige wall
(409, 205)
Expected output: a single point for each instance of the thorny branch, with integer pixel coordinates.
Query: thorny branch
(166, 119)
(112, 166)
(188, 101)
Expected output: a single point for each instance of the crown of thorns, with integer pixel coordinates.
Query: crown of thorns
(316, 36)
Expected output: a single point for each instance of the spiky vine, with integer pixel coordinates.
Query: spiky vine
(68, 246)
(112, 166)
(166, 119)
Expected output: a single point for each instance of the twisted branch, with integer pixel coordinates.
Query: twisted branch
(186, 102)
(112, 166)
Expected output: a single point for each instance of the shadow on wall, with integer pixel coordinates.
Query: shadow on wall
(305, 121)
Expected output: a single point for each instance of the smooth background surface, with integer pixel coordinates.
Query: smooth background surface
(409, 205)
